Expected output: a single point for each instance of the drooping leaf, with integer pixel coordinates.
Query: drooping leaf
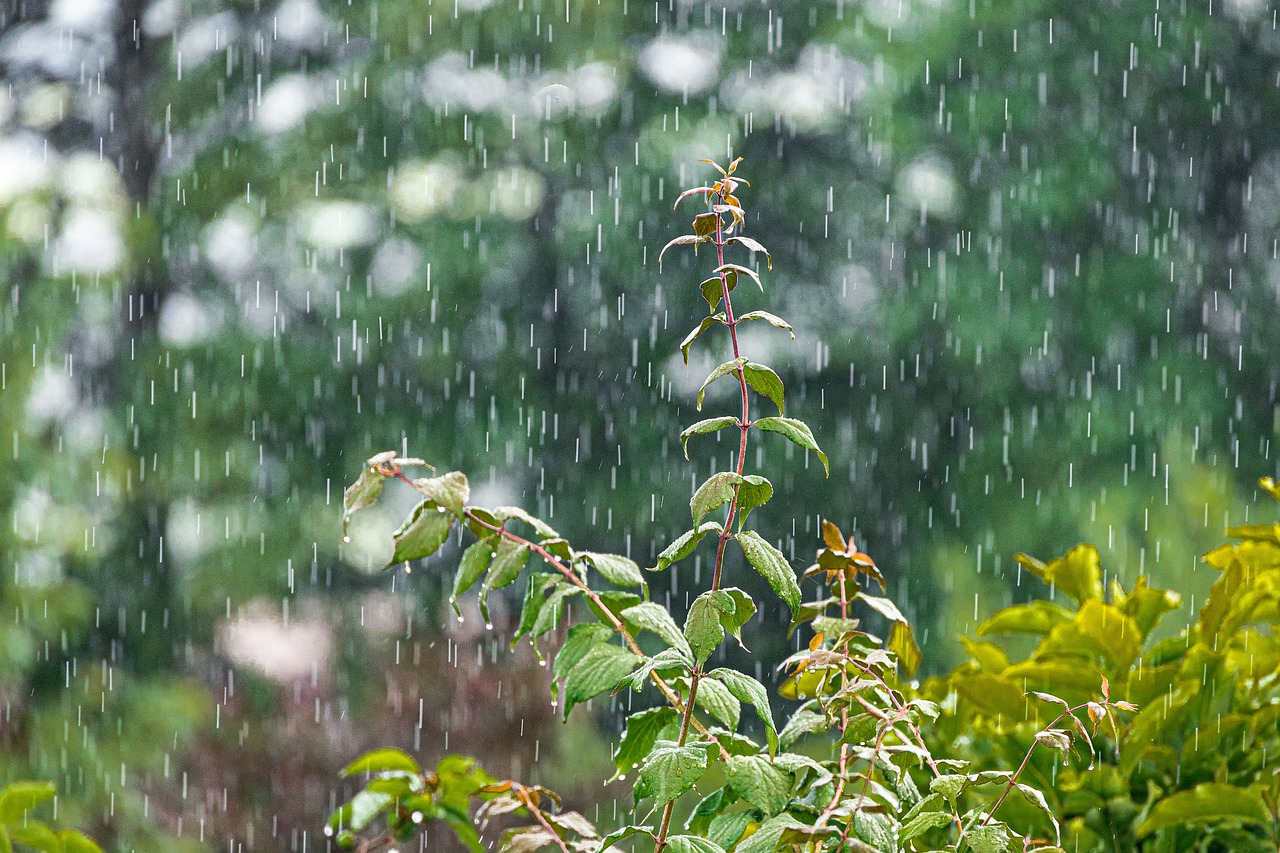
(707, 323)
(753, 245)
(76, 842)
(664, 661)
(902, 642)
(622, 834)
(797, 432)
(582, 638)
(995, 837)
(1208, 802)
(746, 689)
(616, 568)
(1036, 618)
(422, 533)
(727, 829)
(36, 835)
(682, 240)
(684, 544)
(640, 735)
(716, 491)
(744, 607)
(474, 561)
(722, 370)
(772, 566)
(754, 491)
(772, 319)
(544, 530)
(534, 599)
(713, 289)
(735, 269)
(599, 671)
(765, 383)
(360, 810)
(549, 613)
(365, 490)
(703, 628)
(650, 616)
(766, 838)
(758, 781)
(669, 771)
(704, 427)
(705, 224)
(717, 700)
(451, 491)
(508, 561)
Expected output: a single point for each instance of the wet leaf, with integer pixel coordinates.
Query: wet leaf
(451, 491)
(1078, 573)
(753, 245)
(653, 617)
(684, 544)
(474, 561)
(727, 367)
(1209, 802)
(691, 844)
(797, 432)
(772, 566)
(735, 270)
(382, 761)
(18, 798)
(616, 569)
(422, 534)
(641, 733)
(759, 782)
(765, 383)
(747, 689)
(707, 323)
(669, 771)
(717, 700)
(703, 427)
(772, 319)
(599, 671)
(683, 240)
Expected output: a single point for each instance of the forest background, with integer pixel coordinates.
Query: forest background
(1029, 249)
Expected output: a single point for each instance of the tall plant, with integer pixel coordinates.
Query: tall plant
(844, 773)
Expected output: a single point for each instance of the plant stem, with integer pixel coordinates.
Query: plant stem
(744, 424)
(541, 818)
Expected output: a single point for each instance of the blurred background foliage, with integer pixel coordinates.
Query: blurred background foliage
(1029, 249)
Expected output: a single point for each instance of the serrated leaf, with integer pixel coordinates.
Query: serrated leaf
(766, 838)
(772, 319)
(703, 627)
(534, 599)
(474, 561)
(692, 844)
(18, 798)
(772, 566)
(714, 698)
(797, 432)
(382, 761)
(765, 383)
(746, 689)
(642, 729)
(759, 782)
(599, 671)
(664, 661)
(716, 491)
(669, 771)
(549, 613)
(652, 617)
(802, 722)
(682, 240)
(451, 491)
(704, 427)
(422, 533)
(722, 370)
(753, 245)
(992, 838)
(684, 544)
(1209, 802)
(616, 569)
(582, 638)
(707, 323)
(508, 561)
(727, 829)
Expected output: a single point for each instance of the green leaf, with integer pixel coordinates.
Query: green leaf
(1113, 631)
(746, 689)
(18, 798)
(744, 607)
(759, 782)
(534, 599)
(704, 427)
(702, 627)
(718, 701)
(640, 735)
(705, 224)
(684, 544)
(692, 844)
(1209, 802)
(764, 382)
(1036, 618)
(772, 319)
(623, 834)
(654, 618)
(615, 568)
(923, 821)
(735, 269)
(76, 842)
(902, 643)
(549, 614)
(451, 491)
(6, 846)
(422, 533)
(772, 566)
(802, 722)
(382, 761)
(544, 530)
(797, 432)
(360, 810)
(365, 490)
(599, 671)
(753, 245)
(715, 492)
(765, 839)
(36, 835)
(1078, 573)
(713, 290)
(582, 638)
(722, 370)
(707, 323)
(682, 240)
(754, 491)
(669, 771)
(474, 561)
(503, 571)
(726, 829)
(664, 661)
(992, 838)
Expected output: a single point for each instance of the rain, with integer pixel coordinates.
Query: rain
(1028, 250)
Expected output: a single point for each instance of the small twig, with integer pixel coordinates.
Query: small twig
(523, 793)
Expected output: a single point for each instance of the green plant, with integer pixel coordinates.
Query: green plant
(1196, 768)
(21, 830)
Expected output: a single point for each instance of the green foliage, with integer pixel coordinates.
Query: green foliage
(21, 830)
(856, 765)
